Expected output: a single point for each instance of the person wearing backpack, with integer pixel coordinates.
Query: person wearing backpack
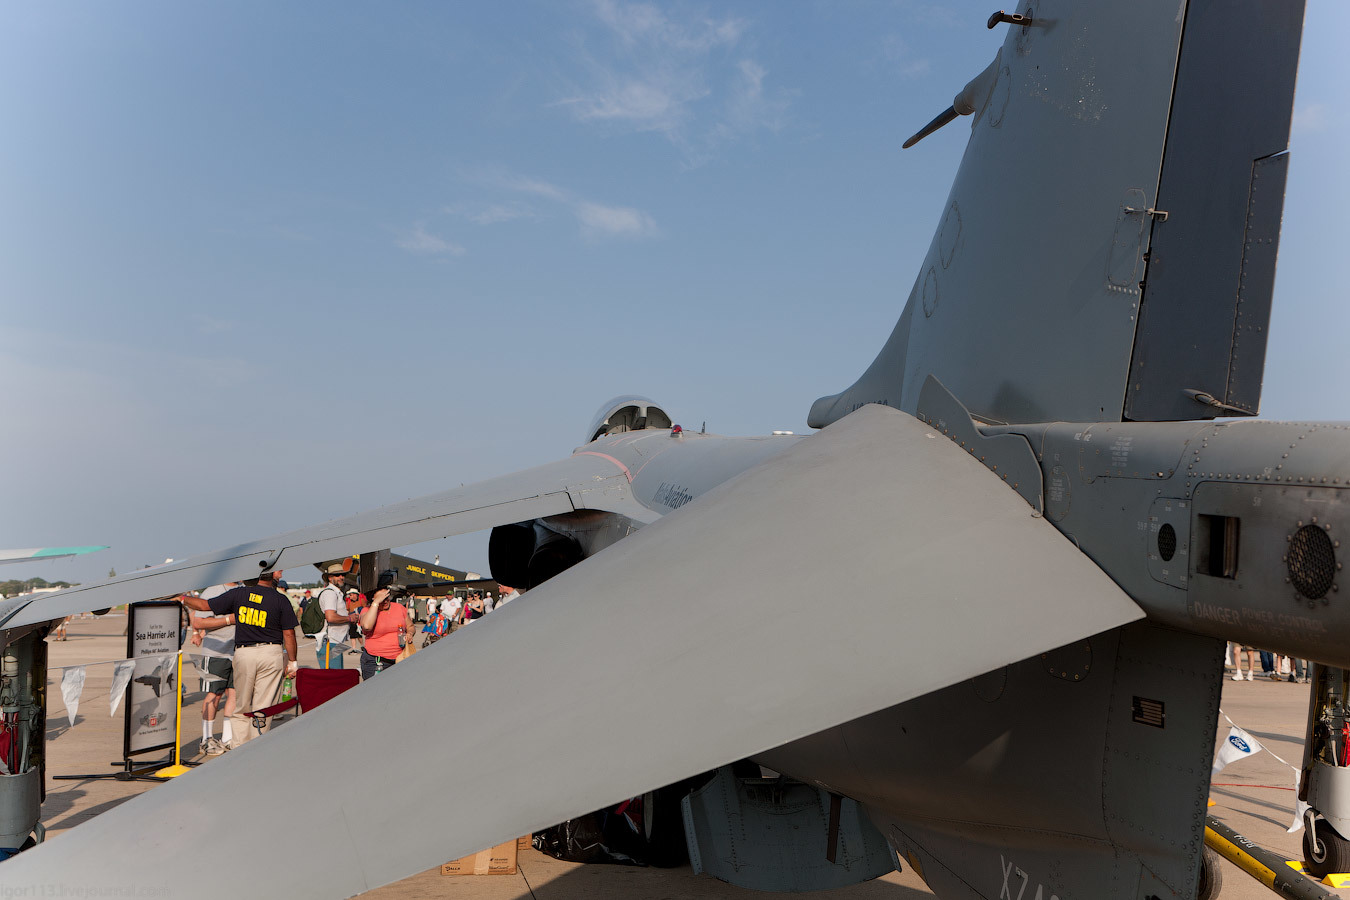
(327, 615)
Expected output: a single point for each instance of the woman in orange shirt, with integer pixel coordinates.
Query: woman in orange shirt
(385, 626)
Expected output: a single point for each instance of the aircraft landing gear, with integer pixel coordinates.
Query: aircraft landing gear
(1211, 876)
(1324, 851)
(23, 685)
(1325, 784)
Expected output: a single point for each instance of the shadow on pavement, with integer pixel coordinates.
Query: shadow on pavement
(676, 884)
(544, 878)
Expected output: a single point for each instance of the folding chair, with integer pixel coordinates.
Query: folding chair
(313, 687)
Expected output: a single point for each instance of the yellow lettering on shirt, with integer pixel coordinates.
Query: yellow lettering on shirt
(250, 616)
(255, 598)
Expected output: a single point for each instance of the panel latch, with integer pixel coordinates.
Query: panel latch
(1159, 215)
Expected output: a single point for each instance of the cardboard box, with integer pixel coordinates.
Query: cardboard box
(498, 860)
(524, 842)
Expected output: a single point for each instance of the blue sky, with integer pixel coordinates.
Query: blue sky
(265, 265)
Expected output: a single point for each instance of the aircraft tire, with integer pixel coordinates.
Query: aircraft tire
(1211, 876)
(1326, 854)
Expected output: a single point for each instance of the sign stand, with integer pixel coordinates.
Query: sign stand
(129, 773)
(154, 632)
(177, 768)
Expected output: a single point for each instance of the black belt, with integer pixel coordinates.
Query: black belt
(259, 644)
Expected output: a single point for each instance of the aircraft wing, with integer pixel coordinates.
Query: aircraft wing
(951, 574)
(37, 554)
(583, 481)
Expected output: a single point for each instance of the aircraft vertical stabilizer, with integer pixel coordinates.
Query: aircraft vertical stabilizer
(1027, 304)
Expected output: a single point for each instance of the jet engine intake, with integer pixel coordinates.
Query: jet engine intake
(526, 554)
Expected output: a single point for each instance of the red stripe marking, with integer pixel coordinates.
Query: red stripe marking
(621, 466)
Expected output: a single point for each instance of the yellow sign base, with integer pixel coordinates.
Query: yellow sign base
(172, 771)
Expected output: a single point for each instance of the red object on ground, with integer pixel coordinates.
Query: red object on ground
(315, 687)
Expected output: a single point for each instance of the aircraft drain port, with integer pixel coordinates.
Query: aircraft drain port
(1312, 562)
(1167, 542)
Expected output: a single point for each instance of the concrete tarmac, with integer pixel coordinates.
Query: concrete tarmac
(1254, 796)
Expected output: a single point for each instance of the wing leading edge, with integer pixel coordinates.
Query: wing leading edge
(952, 575)
(579, 482)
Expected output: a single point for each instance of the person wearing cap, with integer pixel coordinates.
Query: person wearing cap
(331, 600)
(264, 645)
(356, 602)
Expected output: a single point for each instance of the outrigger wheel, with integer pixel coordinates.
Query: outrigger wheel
(1211, 876)
(1325, 852)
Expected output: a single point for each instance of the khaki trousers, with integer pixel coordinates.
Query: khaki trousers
(258, 673)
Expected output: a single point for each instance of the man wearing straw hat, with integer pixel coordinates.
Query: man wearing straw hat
(329, 647)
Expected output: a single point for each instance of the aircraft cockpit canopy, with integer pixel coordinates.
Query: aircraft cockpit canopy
(627, 413)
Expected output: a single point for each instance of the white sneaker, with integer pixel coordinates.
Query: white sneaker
(1249, 675)
(1237, 676)
(213, 747)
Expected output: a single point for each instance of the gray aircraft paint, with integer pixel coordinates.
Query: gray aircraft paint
(1084, 82)
(580, 482)
(902, 531)
(1211, 270)
(1078, 119)
(1023, 312)
(1039, 763)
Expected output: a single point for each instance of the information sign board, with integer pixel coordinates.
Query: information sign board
(154, 635)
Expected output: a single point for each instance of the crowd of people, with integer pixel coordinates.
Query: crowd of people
(249, 632)
(1274, 666)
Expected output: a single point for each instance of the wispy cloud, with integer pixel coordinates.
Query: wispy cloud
(898, 57)
(613, 221)
(638, 23)
(419, 240)
(534, 186)
(596, 220)
(748, 106)
(1311, 117)
(691, 79)
(494, 213)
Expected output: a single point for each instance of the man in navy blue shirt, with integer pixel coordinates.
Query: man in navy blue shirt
(264, 645)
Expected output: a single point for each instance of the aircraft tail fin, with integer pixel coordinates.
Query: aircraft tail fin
(1107, 251)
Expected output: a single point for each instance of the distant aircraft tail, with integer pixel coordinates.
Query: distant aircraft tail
(1108, 247)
